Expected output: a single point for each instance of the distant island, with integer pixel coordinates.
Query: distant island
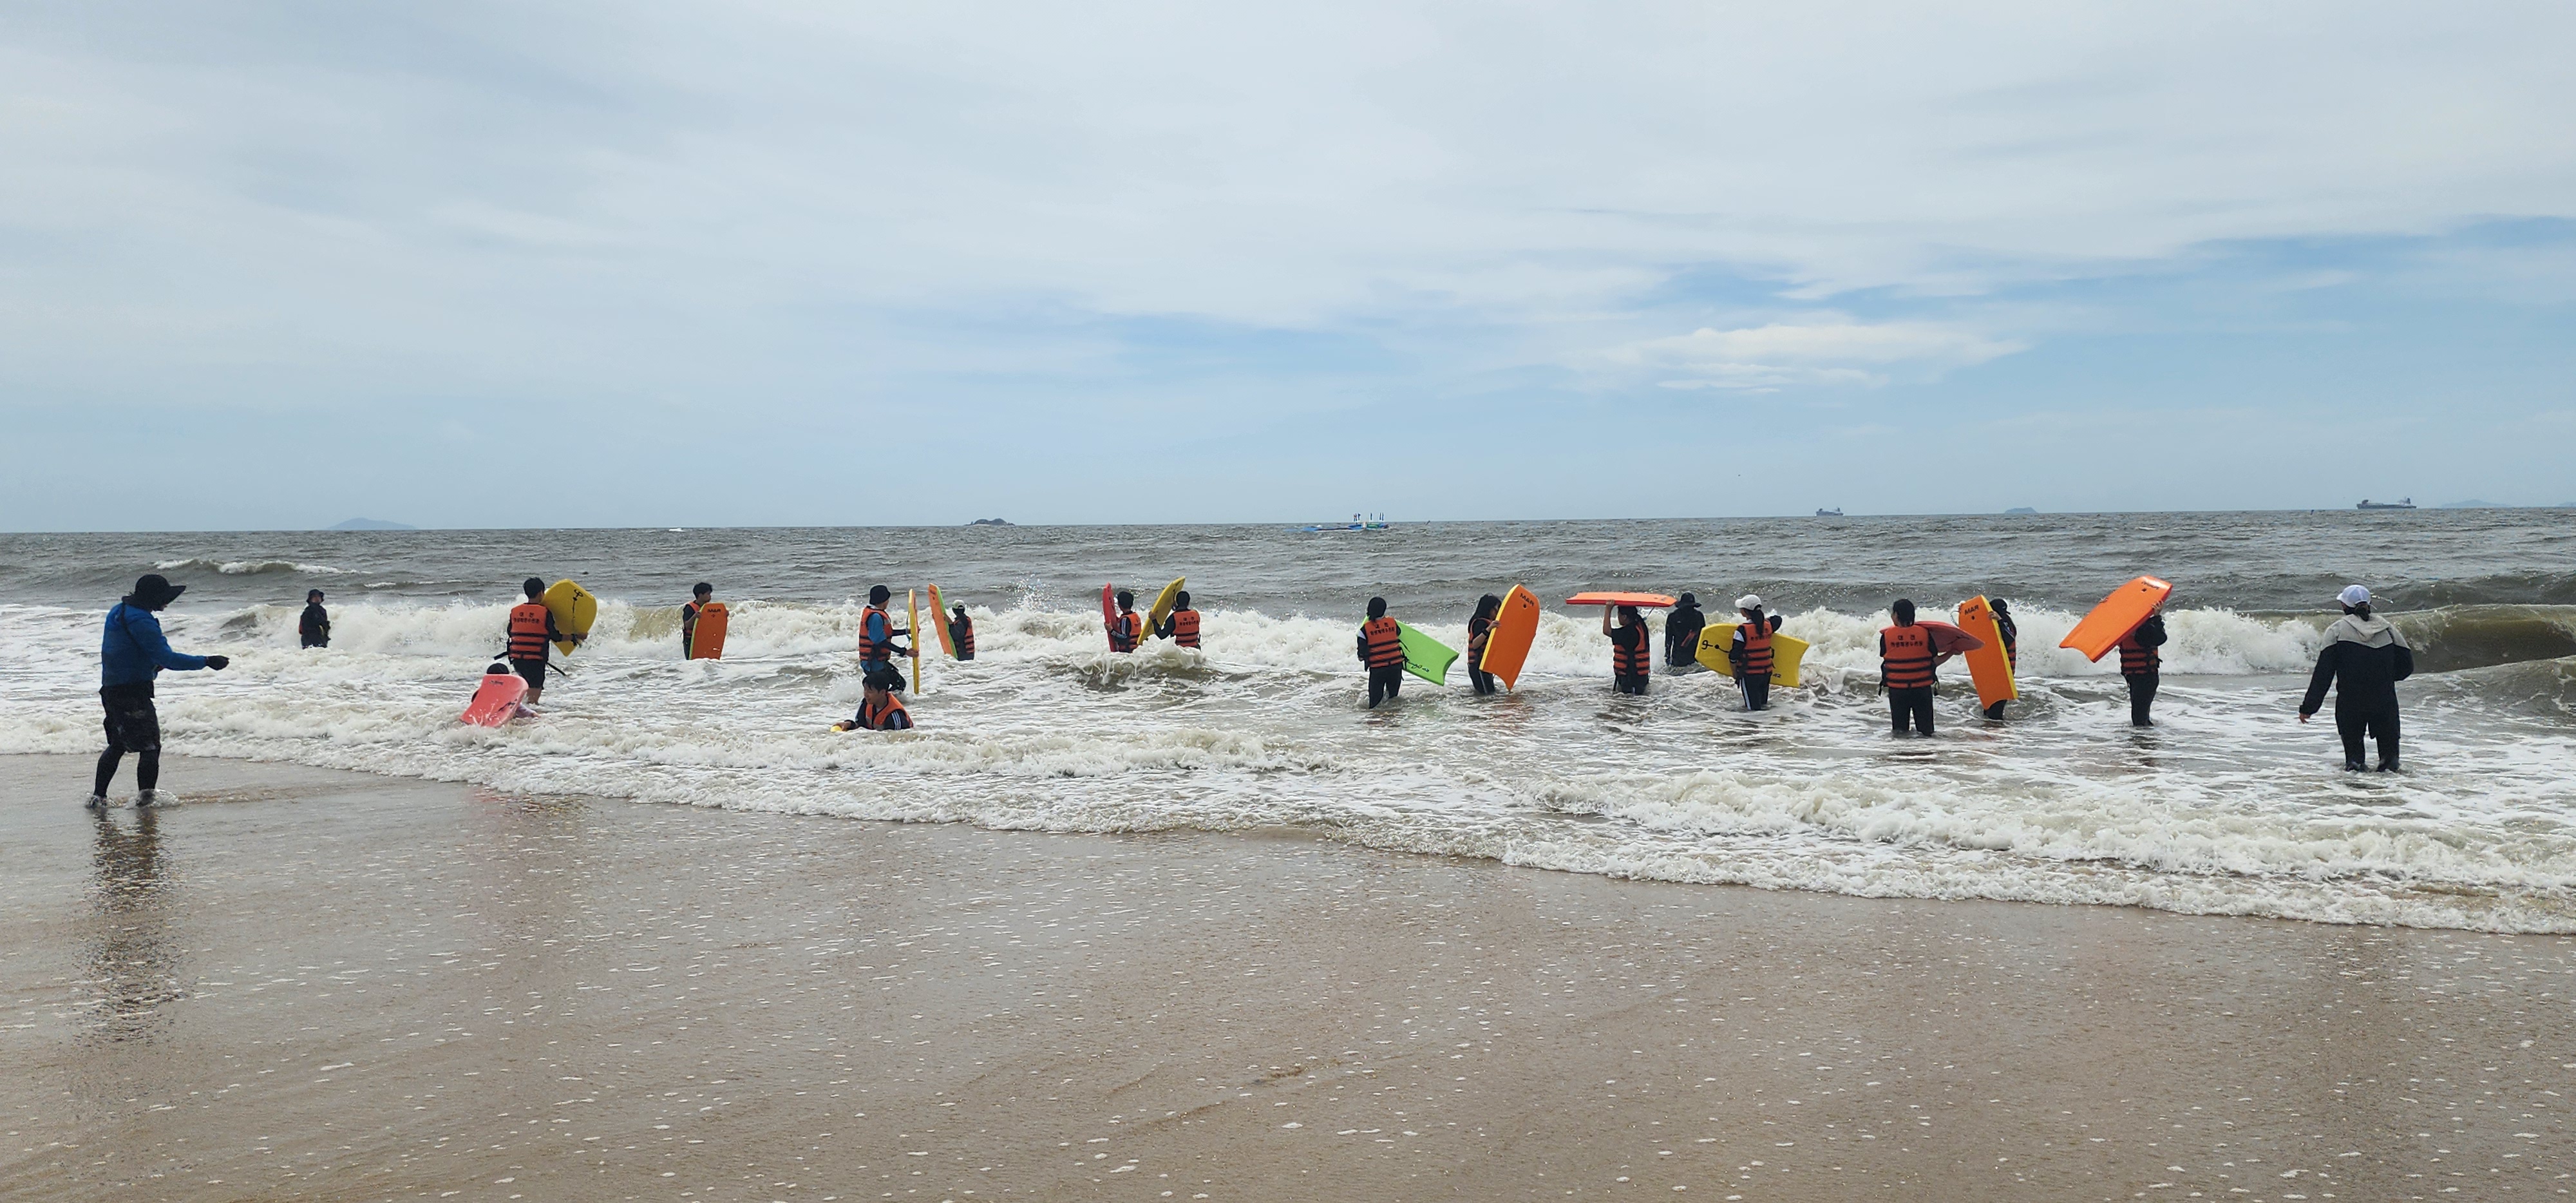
(990, 522)
(2021, 509)
(372, 524)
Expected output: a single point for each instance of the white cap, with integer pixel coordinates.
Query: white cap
(1750, 601)
(2354, 595)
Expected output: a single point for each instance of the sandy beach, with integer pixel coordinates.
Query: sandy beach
(303, 983)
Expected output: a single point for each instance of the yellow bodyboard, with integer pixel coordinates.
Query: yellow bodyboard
(574, 610)
(1786, 651)
(1164, 603)
(912, 609)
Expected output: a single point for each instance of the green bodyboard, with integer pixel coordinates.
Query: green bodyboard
(1426, 657)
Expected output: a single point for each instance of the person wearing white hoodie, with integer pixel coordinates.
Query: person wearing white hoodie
(2364, 659)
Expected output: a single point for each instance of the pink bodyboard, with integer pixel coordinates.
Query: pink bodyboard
(496, 701)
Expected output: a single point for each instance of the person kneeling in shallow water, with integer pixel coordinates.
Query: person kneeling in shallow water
(879, 708)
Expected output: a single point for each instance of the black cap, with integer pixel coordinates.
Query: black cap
(1690, 599)
(877, 594)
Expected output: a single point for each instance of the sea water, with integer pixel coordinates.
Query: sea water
(2227, 806)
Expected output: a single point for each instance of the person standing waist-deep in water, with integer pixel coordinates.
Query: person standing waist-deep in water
(961, 631)
(1382, 650)
(877, 648)
(2139, 661)
(2012, 647)
(1907, 657)
(879, 708)
(313, 628)
(1631, 650)
(2364, 659)
(1681, 632)
(532, 638)
(1750, 651)
(131, 652)
(1126, 628)
(1480, 631)
(1181, 626)
(699, 595)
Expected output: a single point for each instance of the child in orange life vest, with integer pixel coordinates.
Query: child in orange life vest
(961, 631)
(877, 648)
(1126, 630)
(1181, 626)
(879, 708)
(1382, 650)
(2139, 662)
(1750, 652)
(1630, 649)
(532, 639)
(1907, 656)
(689, 611)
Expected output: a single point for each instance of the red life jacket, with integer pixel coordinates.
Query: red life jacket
(1906, 657)
(528, 631)
(881, 718)
(1386, 644)
(1632, 661)
(963, 631)
(1185, 627)
(875, 651)
(1757, 645)
(2137, 660)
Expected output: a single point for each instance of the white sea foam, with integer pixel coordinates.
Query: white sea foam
(250, 567)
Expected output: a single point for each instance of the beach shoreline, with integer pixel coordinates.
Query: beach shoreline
(307, 983)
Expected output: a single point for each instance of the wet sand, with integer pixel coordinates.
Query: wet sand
(310, 984)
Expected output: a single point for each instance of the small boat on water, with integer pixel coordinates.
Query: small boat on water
(1357, 522)
(2403, 504)
(1836, 512)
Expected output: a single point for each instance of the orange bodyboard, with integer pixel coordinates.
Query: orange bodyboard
(939, 615)
(1989, 665)
(2119, 614)
(706, 639)
(1515, 629)
(496, 700)
(1649, 600)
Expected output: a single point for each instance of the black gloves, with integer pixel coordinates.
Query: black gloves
(219, 663)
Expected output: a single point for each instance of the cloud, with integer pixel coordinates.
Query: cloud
(1828, 350)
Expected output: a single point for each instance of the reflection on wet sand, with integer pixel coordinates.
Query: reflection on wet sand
(130, 960)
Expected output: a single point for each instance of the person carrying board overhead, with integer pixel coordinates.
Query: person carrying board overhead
(1750, 651)
(1631, 650)
(961, 632)
(877, 648)
(1907, 657)
(1681, 633)
(1126, 627)
(532, 638)
(2139, 661)
(2364, 659)
(313, 627)
(879, 708)
(1382, 650)
(1182, 626)
(2012, 646)
(1480, 631)
(131, 652)
(699, 596)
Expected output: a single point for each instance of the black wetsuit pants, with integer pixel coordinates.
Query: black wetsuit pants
(1482, 680)
(1757, 690)
(1911, 704)
(2142, 697)
(1627, 683)
(133, 725)
(1383, 684)
(2354, 723)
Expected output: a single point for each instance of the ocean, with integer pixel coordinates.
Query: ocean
(2228, 806)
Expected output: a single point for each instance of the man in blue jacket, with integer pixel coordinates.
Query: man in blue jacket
(132, 652)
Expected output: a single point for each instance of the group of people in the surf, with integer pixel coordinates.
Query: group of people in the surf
(2363, 659)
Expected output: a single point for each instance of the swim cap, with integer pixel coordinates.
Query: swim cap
(2354, 595)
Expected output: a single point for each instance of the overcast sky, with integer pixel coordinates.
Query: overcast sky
(752, 263)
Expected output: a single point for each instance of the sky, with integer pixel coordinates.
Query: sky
(616, 264)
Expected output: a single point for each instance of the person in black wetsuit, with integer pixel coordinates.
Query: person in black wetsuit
(2012, 646)
(1480, 631)
(1681, 632)
(314, 627)
(2364, 659)
(2139, 661)
(961, 631)
(699, 595)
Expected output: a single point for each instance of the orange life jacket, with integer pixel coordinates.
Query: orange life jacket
(881, 718)
(1185, 627)
(1906, 657)
(2136, 659)
(1757, 645)
(872, 650)
(1123, 631)
(963, 631)
(1632, 661)
(1386, 644)
(528, 631)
